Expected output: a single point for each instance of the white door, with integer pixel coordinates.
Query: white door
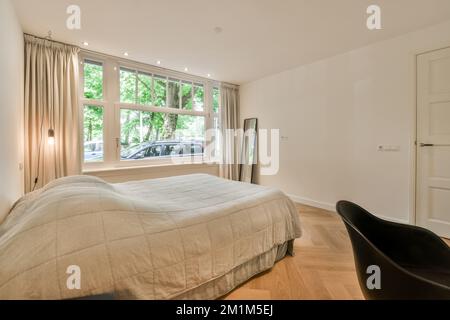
(433, 142)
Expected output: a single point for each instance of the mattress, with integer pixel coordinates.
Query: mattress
(187, 237)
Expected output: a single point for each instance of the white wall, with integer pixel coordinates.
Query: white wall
(11, 107)
(336, 112)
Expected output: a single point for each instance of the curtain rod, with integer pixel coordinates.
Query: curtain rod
(51, 40)
(226, 84)
(230, 85)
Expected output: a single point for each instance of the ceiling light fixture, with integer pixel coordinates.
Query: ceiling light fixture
(126, 54)
(186, 69)
(85, 43)
(209, 76)
(158, 62)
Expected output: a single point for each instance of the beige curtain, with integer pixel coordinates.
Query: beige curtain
(231, 139)
(51, 102)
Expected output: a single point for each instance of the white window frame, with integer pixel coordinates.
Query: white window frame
(111, 108)
(218, 116)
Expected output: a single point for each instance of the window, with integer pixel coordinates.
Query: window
(192, 96)
(145, 88)
(216, 108)
(93, 80)
(156, 134)
(93, 114)
(128, 86)
(186, 96)
(93, 133)
(199, 97)
(173, 94)
(160, 91)
(216, 120)
(147, 115)
(216, 98)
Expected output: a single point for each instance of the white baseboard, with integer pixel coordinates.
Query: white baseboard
(313, 203)
(331, 207)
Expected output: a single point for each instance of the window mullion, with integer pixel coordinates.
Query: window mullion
(141, 124)
(167, 92)
(153, 95)
(136, 93)
(164, 110)
(193, 95)
(180, 95)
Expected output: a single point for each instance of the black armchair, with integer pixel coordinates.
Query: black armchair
(414, 262)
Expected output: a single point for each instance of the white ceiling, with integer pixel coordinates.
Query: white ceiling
(258, 38)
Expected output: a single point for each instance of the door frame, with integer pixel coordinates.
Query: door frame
(414, 144)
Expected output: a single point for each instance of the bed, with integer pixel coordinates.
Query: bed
(186, 237)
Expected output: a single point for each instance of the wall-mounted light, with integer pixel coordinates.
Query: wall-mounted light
(51, 137)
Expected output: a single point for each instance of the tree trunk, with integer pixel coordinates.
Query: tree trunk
(170, 120)
(127, 132)
(90, 129)
(170, 125)
(150, 127)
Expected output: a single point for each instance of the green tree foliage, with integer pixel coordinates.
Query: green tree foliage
(157, 126)
(93, 89)
(93, 123)
(199, 98)
(127, 86)
(93, 81)
(138, 127)
(186, 94)
(145, 85)
(160, 87)
(216, 97)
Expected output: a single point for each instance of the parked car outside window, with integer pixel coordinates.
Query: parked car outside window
(161, 149)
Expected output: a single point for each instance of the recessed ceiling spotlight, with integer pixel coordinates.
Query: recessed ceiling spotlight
(158, 62)
(209, 75)
(85, 43)
(186, 69)
(126, 54)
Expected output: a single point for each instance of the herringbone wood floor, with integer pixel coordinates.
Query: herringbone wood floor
(322, 268)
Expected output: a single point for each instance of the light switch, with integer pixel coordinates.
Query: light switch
(388, 148)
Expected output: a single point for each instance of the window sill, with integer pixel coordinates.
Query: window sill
(166, 166)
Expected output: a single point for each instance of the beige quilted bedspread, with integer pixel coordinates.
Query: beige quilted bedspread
(187, 237)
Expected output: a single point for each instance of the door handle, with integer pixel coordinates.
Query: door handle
(434, 145)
